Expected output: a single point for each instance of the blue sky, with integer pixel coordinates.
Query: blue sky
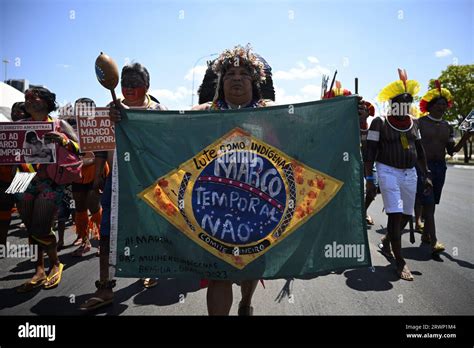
(55, 42)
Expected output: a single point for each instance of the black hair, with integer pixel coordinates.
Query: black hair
(30, 136)
(139, 69)
(46, 95)
(84, 100)
(21, 106)
(433, 101)
(207, 90)
(403, 98)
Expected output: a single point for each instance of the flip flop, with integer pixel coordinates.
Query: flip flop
(438, 248)
(83, 249)
(100, 302)
(30, 285)
(150, 282)
(369, 220)
(405, 274)
(419, 229)
(77, 242)
(58, 276)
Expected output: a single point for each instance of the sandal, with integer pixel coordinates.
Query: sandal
(419, 228)
(95, 303)
(369, 220)
(77, 242)
(30, 285)
(58, 276)
(404, 273)
(83, 249)
(150, 282)
(438, 248)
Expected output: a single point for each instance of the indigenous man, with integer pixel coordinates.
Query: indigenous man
(394, 143)
(437, 137)
(240, 75)
(135, 82)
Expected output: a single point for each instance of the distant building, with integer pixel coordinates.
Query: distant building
(21, 85)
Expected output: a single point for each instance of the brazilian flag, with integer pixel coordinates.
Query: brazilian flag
(257, 193)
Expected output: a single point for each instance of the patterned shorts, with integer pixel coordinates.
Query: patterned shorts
(44, 189)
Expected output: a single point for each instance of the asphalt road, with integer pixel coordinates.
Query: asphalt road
(443, 287)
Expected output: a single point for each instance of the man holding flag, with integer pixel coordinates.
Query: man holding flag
(230, 191)
(240, 75)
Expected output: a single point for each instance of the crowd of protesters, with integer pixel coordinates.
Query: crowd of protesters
(404, 160)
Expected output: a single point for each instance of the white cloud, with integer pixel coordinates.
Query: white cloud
(311, 91)
(65, 66)
(443, 53)
(177, 99)
(301, 72)
(199, 72)
(307, 93)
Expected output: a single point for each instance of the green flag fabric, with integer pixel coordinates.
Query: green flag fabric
(257, 193)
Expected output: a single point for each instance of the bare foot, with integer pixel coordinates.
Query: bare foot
(38, 276)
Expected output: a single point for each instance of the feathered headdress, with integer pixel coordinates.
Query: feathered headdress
(435, 93)
(370, 107)
(401, 86)
(240, 56)
(337, 91)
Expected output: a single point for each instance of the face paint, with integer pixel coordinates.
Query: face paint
(134, 94)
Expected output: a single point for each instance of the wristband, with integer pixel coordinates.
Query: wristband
(370, 178)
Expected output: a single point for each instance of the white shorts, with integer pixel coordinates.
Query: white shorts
(398, 188)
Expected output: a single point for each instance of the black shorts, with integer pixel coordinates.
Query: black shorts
(438, 176)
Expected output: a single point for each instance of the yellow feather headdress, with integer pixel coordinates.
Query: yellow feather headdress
(401, 86)
(435, 93)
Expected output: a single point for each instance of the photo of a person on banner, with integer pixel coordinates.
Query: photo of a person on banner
(40, 152)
